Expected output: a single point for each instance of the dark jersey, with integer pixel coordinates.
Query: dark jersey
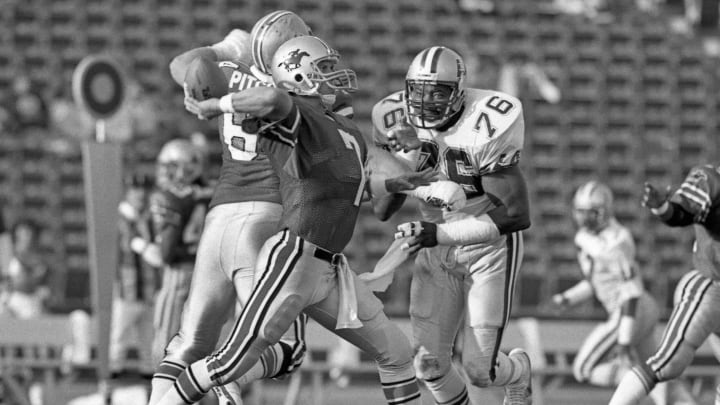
(319, 157)
(171, 211)
(699, 195)
(245, 174)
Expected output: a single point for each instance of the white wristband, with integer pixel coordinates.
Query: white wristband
(225, 104)
(661, 209)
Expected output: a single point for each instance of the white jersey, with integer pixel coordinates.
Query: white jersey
(607, 261)
(487, 136)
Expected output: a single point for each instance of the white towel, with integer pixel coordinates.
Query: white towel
(347, 317)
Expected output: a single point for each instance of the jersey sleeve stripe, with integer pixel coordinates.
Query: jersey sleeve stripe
(290, 124)
(697, 196)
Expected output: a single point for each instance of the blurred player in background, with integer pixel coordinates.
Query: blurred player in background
(319, 157)
(26, 282)
(607, 261)
(697, 312)
(244, 212)
(172, 204)
(468, 258)
(136, 281)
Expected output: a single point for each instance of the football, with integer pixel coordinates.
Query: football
(204, 79)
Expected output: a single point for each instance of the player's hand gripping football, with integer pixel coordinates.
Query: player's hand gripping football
(403, 137)
(422, 234)
(411, 180)
(652, 197)
(205, 109)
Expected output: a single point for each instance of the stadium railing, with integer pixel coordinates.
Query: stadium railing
(31, 353)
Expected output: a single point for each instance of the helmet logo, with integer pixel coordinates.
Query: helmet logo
(293, 60)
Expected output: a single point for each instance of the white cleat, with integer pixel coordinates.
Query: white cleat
(520, 392)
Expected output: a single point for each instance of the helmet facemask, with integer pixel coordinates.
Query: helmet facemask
(592, 206)
(425, 113)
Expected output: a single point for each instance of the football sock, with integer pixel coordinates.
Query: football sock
(635, 385)
(448, 389)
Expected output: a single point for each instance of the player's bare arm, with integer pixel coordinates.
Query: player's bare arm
(261, 102)
(507, 189)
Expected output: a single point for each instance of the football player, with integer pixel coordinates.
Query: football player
(319, 158)
(136, 281)
(468, 258)
(611, 274)
(244, 211)
(697, 310)
(172, 204)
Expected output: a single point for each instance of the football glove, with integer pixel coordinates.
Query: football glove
(422, 234)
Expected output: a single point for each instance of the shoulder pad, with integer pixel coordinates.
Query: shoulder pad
(387, 113)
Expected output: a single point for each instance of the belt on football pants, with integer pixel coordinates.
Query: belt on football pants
(325, 255)
(347, 296)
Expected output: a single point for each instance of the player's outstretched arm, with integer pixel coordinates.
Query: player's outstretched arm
(261, 102)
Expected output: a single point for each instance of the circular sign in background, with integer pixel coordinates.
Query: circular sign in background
(98, 86)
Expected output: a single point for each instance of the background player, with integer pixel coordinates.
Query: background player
(607, 261)
(472, 255)
(301, 267)
(172, 205)
(697, 311)
(137, 282)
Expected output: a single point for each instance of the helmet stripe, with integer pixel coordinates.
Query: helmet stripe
(424, 56)
(265, 25)
(435, 58)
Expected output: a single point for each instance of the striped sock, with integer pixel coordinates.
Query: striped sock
(402, 392)
(449, 389)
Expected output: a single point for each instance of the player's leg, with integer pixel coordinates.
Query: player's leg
(589, 366)
(210, 302)
(437, 304)
(379, 338)
(240, 253)
(287, 281)
(122, 321)
(490, 288)
(169, 306)
(693, 319)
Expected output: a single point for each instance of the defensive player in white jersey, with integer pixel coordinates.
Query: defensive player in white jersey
(611, 274)
(468, 258)
(245, 210)
(697, 310)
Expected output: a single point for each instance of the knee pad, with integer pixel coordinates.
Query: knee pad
(429, 366)
(279, 322)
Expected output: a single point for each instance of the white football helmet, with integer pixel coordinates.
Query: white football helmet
(592, 206)
(179, 164)
(296, 67)
(272, 31)
(436, 65)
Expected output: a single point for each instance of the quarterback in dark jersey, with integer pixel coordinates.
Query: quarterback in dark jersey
(244, 212)
(319, 157)
(697, 297)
